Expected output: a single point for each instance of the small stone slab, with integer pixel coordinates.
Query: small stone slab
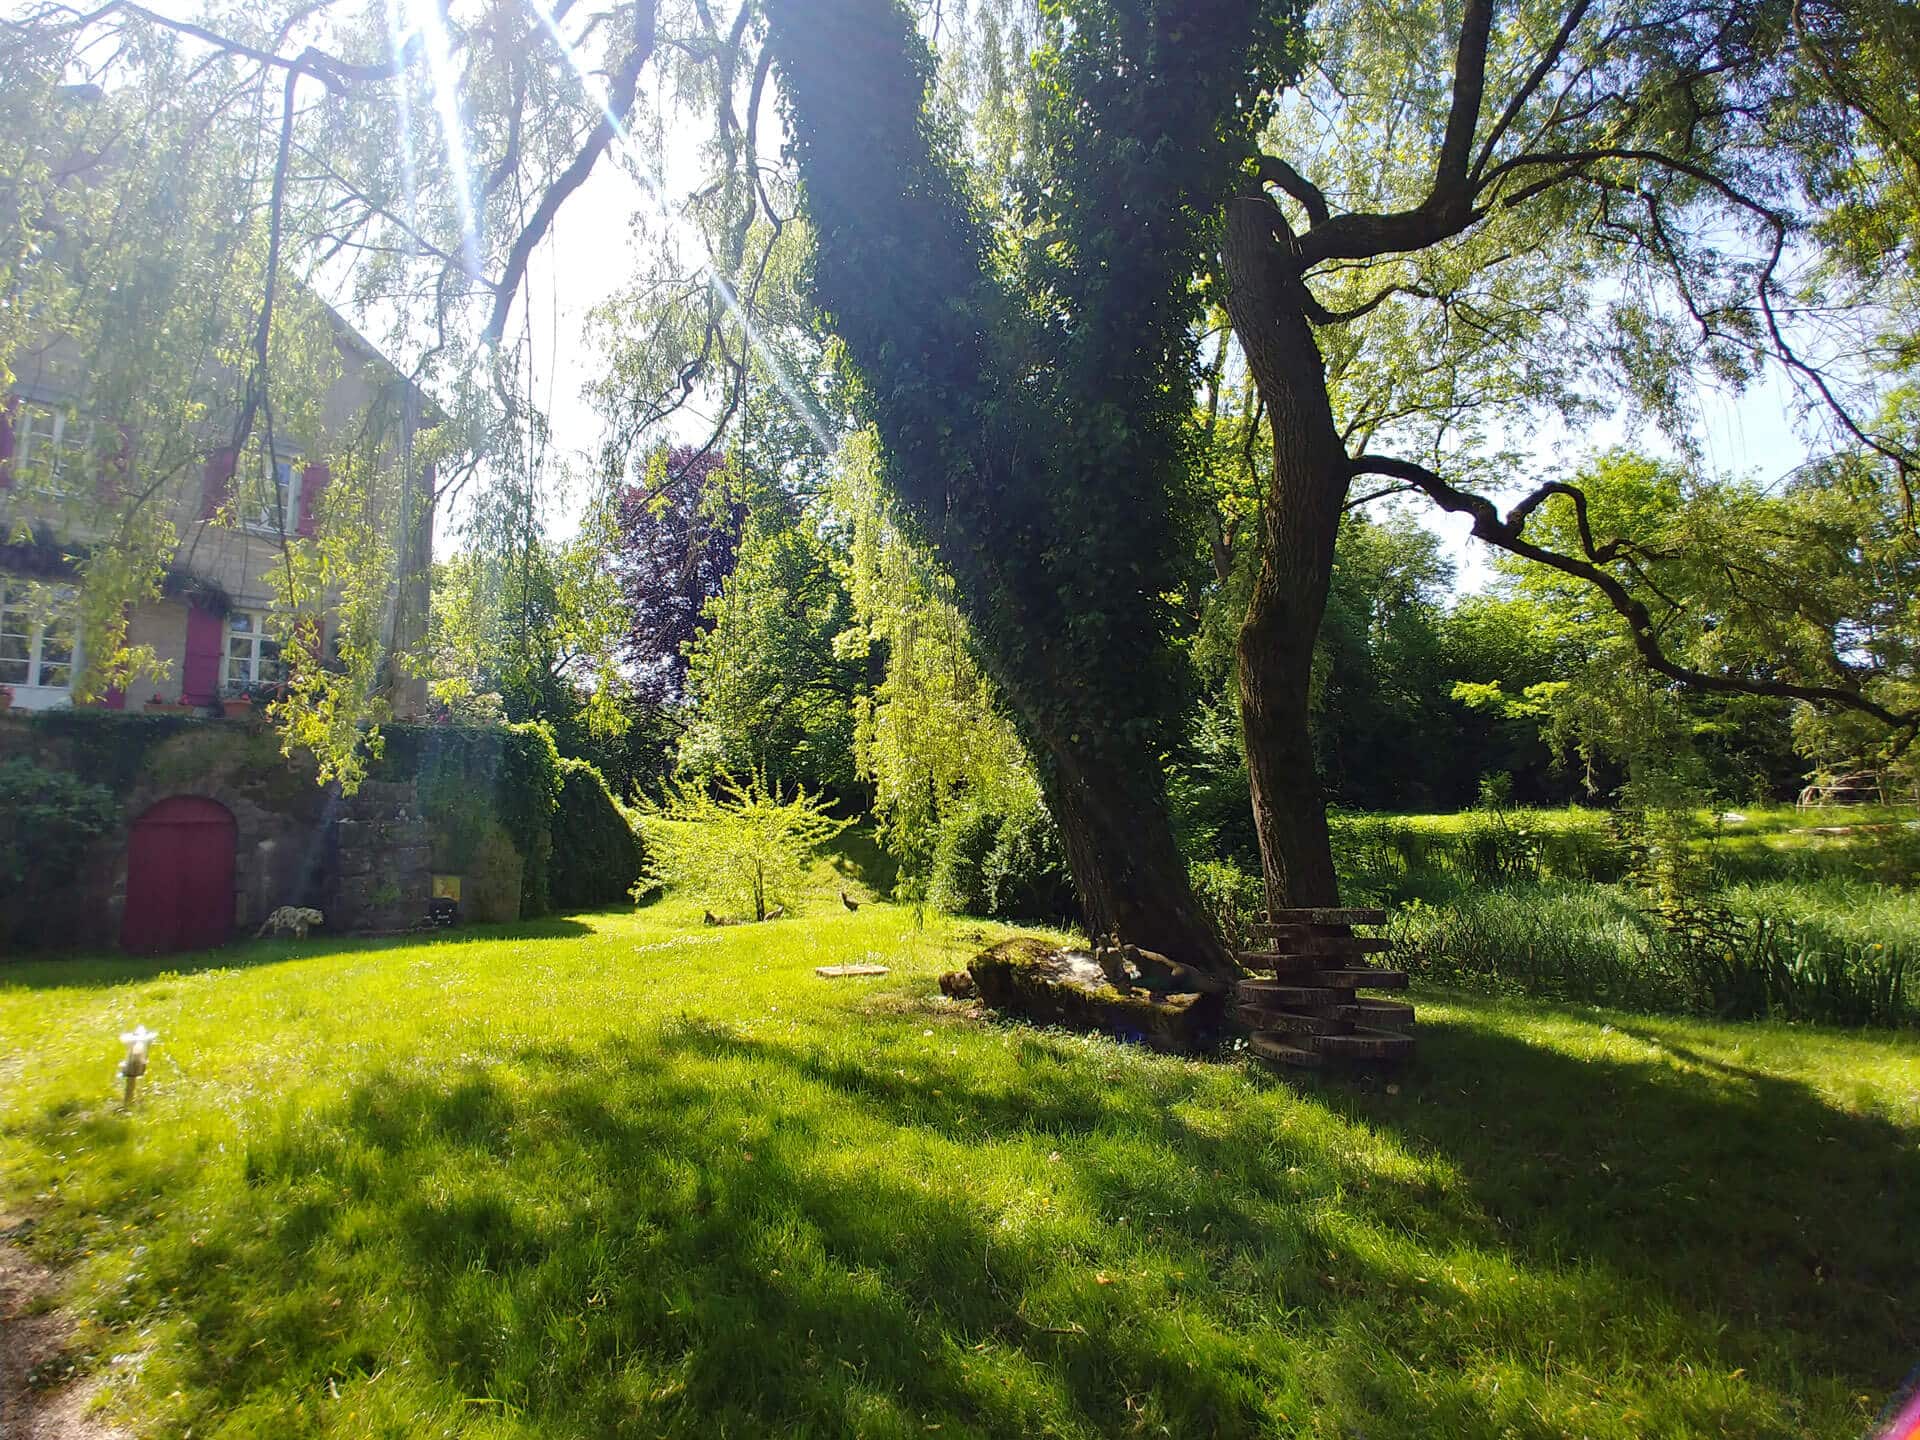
(1364, 978)
(1272, 1046)
(836, 972)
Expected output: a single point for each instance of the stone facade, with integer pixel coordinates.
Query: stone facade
(364, 861)
(383, 852)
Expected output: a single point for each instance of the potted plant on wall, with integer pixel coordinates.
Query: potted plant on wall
(163, 705)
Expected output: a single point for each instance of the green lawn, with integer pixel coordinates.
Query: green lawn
(622, 1175)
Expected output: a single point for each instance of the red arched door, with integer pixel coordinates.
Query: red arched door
(179, 877)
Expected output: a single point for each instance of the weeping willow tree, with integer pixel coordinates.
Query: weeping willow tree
(1474, 222)
(1031, 386)
(932, 733)
(190, 203)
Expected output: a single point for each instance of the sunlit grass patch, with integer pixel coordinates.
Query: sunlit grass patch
(626, 1174)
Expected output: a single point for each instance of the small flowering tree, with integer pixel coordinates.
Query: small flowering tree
(742, 847)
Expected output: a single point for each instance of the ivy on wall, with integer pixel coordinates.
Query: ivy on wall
(576, 850)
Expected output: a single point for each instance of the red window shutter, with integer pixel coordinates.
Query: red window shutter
(313, 484)
(7, 412)
(200, 675)
(216, 482)
(111, 483)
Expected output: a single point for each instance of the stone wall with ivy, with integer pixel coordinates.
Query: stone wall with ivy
(528, 832)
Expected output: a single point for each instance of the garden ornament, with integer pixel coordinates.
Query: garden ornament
(138, 1041)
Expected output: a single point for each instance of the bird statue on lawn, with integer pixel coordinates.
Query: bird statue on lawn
(850, 904)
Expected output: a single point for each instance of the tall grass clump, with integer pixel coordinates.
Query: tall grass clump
(1653, 916)
(1551, 940)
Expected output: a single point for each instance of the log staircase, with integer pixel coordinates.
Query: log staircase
(1304, 1009)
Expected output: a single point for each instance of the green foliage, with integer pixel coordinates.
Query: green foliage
(744, 847)
(932, 731)
(597, 857)
(48, 818)
(533, 629)
(1028, 373)
(508, 775)
(1234, 900)
(1002, 864)
(1389, 858)
(1645, 909)
(773, 691)
(107, 747)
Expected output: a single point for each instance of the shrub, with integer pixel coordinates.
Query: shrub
(596, 856)
(48, 818)
(1841, 954)
(1233, 899)
(471, 776)
(743, 848)
(1551, 941)
(1002, 865)
(958, 883)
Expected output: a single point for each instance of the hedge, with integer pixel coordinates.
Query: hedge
(576, 850)
(596, 855)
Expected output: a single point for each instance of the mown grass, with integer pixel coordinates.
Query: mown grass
(623, 1175)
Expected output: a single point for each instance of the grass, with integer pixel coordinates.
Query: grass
(621, 1175)
(1819, 927)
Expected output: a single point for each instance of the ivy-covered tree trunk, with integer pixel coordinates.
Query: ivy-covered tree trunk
(1031, 398)
(1299, 524)
(1126, 866)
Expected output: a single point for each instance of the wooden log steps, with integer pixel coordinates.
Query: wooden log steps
(1364, 1045)
(1279, 965)
(1320, 916)
(1278, 994)
(1279, 1050)
(1323, 1020)
(1306, 943)
(1364, 977)
(1310, 1015)
(1377, 1014)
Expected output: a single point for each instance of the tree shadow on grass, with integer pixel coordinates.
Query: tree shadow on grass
(54, 972)
(1729, 1190)
(701, 1230)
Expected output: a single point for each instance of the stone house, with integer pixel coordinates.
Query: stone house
(218, 828)
(210, 628)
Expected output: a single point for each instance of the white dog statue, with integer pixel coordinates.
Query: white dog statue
(294, 920)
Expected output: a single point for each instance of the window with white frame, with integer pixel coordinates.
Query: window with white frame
(37, 632)
(253, 657)
(275, 500)
(52, 448)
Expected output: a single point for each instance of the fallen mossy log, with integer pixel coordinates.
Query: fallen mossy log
(1034, 979)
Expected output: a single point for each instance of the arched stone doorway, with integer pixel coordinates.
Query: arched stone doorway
(180, 874)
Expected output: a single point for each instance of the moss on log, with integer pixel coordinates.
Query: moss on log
(1037, 980)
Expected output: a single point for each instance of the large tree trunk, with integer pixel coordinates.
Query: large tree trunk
(1127, 868)
(1299, 524)
(1064, 604)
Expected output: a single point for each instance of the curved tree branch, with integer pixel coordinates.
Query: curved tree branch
(1507, 534)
